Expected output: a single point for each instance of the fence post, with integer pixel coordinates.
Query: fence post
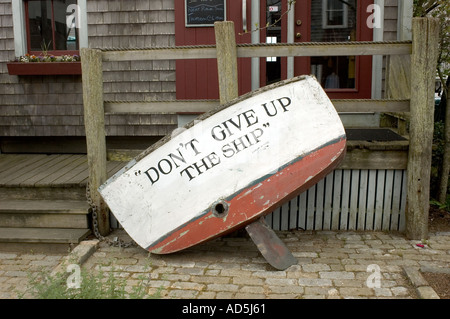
(94, 122)
(226, 61)
(423, 72)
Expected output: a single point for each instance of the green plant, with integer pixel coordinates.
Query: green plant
(444, 206)
(98, 285)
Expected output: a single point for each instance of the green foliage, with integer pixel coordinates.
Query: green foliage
(100, 285)
(439, 9)
(437, 157)
(445, 206)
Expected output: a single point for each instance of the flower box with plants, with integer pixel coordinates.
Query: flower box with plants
(30, 64)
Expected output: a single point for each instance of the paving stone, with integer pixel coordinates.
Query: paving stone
(314, 282)
(336, 275)
(222, 287)
(350, 291)
(426, 292)
(4, 256)
(315, 267)
(332, 265)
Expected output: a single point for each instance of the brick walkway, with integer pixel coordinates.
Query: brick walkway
(330, 265)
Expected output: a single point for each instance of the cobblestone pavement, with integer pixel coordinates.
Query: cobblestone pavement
(16, 268)
(330, 265)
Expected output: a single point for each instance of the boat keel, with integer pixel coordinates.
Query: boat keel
(270, 245)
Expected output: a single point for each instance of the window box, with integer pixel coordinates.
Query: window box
(44, 68)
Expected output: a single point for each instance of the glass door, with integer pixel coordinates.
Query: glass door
(334, 21)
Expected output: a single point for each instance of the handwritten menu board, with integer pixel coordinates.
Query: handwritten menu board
(203, 13)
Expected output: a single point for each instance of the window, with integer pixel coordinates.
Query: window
(48, 27)
(334, 14)
(339, 24)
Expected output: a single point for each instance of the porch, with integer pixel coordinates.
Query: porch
(43, 200)
(43, 197)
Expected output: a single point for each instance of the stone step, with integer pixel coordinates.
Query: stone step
(44, 213)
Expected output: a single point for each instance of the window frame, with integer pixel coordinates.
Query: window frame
(28, 34)
(325, 11)
(21, 46)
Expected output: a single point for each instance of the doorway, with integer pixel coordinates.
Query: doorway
(281, 21)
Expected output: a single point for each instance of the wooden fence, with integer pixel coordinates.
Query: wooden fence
(421, 51)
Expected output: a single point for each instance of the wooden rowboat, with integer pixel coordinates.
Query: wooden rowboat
(229, 168)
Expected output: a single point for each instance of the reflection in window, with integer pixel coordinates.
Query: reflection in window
(273, 35)
(334, 14)
(334, 21)
(48, 29)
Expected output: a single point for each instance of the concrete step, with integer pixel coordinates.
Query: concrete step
(44, 213)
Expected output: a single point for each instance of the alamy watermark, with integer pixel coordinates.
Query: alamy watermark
(73, 16)
(374, 279)
(374, 20)
(74, 279)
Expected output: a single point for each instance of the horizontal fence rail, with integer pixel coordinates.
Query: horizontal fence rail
(261, 50)
(202, 106)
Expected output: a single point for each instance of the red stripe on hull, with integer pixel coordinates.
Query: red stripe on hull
(256, 201)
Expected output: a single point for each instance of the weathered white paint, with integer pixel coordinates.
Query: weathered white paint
(149, 208)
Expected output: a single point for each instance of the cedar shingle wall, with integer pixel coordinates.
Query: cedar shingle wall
(52, 105)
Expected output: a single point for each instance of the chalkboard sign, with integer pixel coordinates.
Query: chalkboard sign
(203, 13)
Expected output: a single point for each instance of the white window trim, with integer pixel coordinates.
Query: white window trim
(19, 26)
(325, 20)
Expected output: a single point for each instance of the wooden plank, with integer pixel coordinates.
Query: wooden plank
(44, 206)
(337, 195)
(262, 50)
(364, 105)
(379, 198)
(328, 201)
(8, 161)
(276, 218)
(301, 221)
(29, 169)
(268, 220)
(310, 207)
(387, 209)
(402, 222)
(362, 199)
(398, 77)
(423, 72)
(371, 193)
(22, 167)
(73, 173)
(284, 222)
(370, 159)
(94, 122)
(112, 167)
(60, 169)
(354, 193)
(42, 235)
(324, 49)
(226, 61)
(202, 106)
(396, 199)
(345, 202)
(162, 107)
(43, 171)
(293, 213)
(320, 192)
(177, 53)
